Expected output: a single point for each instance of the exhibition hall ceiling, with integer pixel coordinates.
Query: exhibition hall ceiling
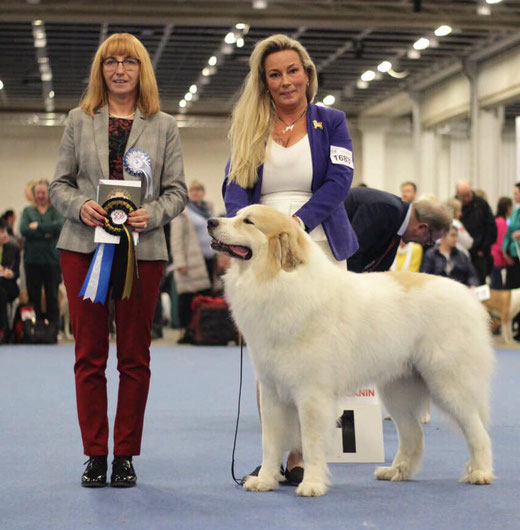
(47, 46)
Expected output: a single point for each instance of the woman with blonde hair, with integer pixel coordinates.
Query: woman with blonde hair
(291, 155)
(40, 226)
(118, 132)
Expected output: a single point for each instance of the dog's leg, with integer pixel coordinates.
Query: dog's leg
(507, 331)
(316, 416)
(468, 408)
(275, 418)
(404, 399)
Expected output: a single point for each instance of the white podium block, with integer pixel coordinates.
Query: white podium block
(358, 437)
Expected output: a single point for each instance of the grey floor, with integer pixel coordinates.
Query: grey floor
(184, 470)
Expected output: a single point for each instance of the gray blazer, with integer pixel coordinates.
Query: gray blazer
(83, 160)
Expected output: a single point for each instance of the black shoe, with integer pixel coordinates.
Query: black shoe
(123, 473)
(255, 472)
(95, 475)
(294, 476)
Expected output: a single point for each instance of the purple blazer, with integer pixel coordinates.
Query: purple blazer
(331, 181)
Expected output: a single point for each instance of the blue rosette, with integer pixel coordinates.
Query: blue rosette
(139, 164)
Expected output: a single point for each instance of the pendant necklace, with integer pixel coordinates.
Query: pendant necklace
(290, 127)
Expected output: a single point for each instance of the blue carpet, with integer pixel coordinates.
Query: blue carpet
(184, 470)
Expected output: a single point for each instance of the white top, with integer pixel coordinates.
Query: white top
(287, 179)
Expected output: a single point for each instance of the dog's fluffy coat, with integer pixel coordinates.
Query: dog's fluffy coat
(316, 332)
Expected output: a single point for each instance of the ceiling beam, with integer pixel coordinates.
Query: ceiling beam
(353, 15)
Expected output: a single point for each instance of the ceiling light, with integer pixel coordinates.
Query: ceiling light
(442, 31)
(226, 49)
(47, 76)
(212, 61)
(493, 1)
(483, 10)
(240, 42)
(1, 84)
(413, 54)
(259, 4)
(40, 43)
(329, 100)
(362, 84)
(320, 104)
(398, 75)
(182, 103)
(369, 75)
(230, 38)
(421, 44)
(240, 25)
(52, 94)
(193, 89)
(43, 60)
(188, 96)
(37, 22)
(385, 66)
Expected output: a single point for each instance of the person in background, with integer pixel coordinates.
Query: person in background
(118, 129)
(40, 225)
(292, 155)
(504, 211)
(199, 212)
(9, 272)
(445, 259)
(408, 257)
(478, 220)
(193, 257)
(464, 239)
(381, 220)
(408, 191)
(9, 217)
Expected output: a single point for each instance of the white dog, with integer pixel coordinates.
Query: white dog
(315, 332)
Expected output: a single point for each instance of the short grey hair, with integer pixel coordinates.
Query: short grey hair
(434, 214)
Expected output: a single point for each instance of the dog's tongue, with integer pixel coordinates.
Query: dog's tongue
(239, 251)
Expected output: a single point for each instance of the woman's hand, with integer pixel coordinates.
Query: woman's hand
(139, 220)
(516, 234)
(509, 260)
(33, 225)
(93, 214)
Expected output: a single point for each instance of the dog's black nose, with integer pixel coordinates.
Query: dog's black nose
(212, 223)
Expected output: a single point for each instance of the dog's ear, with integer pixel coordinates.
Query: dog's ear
(291, 249)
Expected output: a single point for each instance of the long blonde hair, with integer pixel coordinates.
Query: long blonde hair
(96, 94)
(252, 116)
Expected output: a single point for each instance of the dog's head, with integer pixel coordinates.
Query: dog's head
(260, 234)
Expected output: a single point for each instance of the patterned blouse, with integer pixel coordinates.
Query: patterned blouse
(118, 133)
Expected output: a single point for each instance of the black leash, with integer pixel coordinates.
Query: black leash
(239, 482)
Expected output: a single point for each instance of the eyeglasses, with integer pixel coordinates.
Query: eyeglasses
(129, 64)
(430, 241)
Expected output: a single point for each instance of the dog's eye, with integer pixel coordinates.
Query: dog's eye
(248, 221)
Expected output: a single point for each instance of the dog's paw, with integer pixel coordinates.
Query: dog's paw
(477, 476)
(395, 474)
(311, 489)
(260, 484)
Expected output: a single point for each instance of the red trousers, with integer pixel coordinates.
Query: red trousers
(89, 321)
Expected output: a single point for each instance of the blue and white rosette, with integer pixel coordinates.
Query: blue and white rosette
(139, 164)
(95, 286)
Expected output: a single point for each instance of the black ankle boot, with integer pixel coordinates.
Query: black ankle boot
(123, 473)
(95, 475)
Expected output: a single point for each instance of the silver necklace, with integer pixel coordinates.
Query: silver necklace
(290, 127)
